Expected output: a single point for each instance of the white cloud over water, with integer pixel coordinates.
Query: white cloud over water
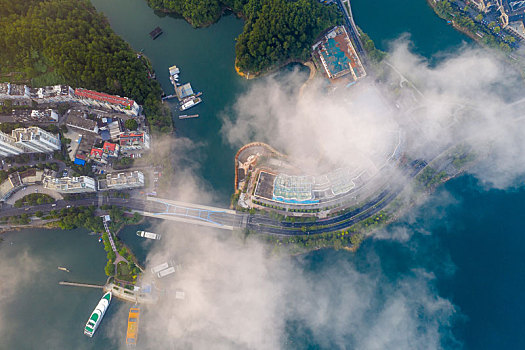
(15, 271)
(469, 97)
(238, 296)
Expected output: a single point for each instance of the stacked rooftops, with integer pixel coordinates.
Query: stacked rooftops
(61, 93)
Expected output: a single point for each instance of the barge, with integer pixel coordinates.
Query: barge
(155, 33)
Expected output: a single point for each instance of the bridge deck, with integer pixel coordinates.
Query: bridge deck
(190, 205)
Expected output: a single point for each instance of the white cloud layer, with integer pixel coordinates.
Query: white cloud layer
(238, 297)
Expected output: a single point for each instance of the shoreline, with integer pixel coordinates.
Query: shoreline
(457, 27)
(43, 225)
(270, 70)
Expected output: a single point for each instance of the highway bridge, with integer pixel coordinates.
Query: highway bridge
(193, 213)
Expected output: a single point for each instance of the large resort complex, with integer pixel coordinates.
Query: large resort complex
(338, 56)
(267, 178)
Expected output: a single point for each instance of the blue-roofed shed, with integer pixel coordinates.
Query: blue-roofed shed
(79, 161)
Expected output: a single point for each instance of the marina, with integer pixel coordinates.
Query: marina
(184, 92)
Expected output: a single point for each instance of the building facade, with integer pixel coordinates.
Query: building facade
(120, 181)
(8, 146)
(36, 140)
(99, 99)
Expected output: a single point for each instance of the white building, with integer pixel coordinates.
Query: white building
(70, 184)
(36, 140)
(120, 181)
(8, 146)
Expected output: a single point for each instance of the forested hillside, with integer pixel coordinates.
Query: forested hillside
(67, 41)
(275, 31)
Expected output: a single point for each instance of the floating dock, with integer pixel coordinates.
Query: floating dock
(155, 33)
(185, 116)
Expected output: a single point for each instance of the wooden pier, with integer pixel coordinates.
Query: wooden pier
(131, 296)
(75, 284)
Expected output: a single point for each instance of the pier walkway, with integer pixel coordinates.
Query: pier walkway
(118, 258)
(106, 219)
(75, 284)
(132, 296)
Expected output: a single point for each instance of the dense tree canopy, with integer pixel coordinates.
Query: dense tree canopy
(67, 41)
(275, 30)
(198, 12)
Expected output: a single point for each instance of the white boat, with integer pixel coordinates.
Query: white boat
(169, 271)
(190, 103)
(166, 272)
(149, 235)
(174, 70)
(63, 269)
(159, 268)
(97, 315)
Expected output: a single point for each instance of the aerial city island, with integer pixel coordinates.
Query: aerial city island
(77, 141)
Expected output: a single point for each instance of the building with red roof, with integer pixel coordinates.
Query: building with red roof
(111, 149)
(100, 99)
(134, 139)
(96, 152)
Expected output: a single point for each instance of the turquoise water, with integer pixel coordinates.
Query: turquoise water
(385, 21)
(41, 314)
(465, 245)
(206, 59)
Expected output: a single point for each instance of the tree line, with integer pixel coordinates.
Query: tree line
(68, 42)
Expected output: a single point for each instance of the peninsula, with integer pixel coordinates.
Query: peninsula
(275, 34)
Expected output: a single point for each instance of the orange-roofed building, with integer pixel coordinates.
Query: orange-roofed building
(100, 99)
(111, 149)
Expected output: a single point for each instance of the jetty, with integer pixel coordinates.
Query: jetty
(168, 97)
(76, 284)
(132, 296)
